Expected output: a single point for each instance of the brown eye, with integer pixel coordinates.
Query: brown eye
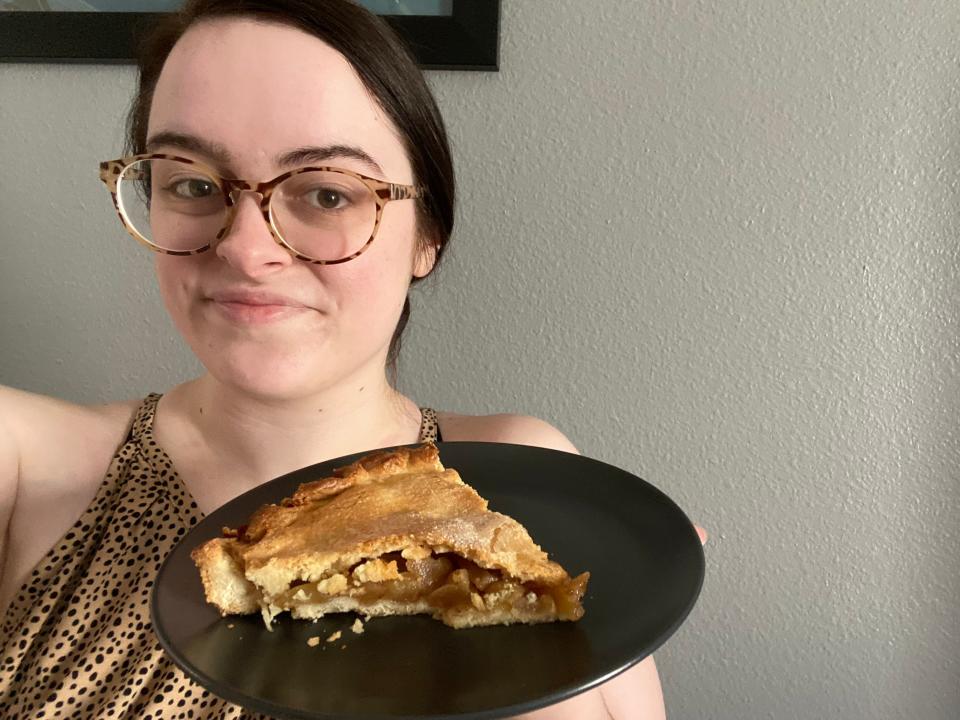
(194, 188)
(327, 198)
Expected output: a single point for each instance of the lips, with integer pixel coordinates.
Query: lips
(253, 297)
(256, 306)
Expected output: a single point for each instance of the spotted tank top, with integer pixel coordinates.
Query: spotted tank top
(77, 640)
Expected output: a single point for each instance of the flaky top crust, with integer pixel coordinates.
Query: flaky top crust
(385, 502)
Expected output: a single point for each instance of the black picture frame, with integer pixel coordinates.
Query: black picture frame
(468, 39)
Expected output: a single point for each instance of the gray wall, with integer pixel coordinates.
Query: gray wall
(715, 243)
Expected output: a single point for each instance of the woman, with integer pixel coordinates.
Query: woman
(295, 317)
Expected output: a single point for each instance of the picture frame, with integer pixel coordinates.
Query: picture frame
(468, 38)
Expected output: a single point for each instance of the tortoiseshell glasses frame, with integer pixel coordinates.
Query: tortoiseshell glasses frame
(382, 192)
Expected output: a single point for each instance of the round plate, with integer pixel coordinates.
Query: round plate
(646, 568)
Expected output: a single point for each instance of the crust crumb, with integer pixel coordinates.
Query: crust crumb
(376, 570)
(334, 637)
(333, 585)
(357, 626)
(416, 552)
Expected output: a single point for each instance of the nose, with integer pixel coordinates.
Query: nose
(247, 244)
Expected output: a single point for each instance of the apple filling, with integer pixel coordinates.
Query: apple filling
(443, 581)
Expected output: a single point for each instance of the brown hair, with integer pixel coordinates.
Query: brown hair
(385, 66)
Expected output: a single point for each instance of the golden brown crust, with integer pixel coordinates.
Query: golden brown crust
(400, 501)
(223, 580)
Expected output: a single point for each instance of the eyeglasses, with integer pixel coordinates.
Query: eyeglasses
(179, 206)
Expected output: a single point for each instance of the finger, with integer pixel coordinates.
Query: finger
(702, 533)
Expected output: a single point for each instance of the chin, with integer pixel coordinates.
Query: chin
(267, 375)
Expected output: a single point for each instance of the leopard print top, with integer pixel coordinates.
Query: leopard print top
(76, 640)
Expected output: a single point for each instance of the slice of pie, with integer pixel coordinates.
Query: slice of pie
(392, 534)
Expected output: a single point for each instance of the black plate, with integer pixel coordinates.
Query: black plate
(646, 568)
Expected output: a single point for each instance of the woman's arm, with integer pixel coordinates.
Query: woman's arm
(53, 456)
(9, 478)
(635, 694)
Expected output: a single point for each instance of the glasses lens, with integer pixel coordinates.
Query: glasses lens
(171, 204)
(324, 215)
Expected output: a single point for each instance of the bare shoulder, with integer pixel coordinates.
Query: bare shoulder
(34, 405)
(49, 433)
(517, 429)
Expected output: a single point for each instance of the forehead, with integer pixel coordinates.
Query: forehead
(260, 89)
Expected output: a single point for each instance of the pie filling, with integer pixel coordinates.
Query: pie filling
(446, 582)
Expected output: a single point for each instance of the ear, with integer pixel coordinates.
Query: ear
(425, 257)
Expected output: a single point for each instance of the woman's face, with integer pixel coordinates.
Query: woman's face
(257, 318)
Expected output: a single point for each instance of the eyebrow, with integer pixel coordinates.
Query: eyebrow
(292, 158)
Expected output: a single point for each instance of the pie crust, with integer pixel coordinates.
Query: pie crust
(395, 533)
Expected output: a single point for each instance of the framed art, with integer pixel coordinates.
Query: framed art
(444, 34)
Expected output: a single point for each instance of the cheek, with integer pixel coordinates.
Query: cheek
(174, 280)
(166, 279)
(390, 256)
(372, 287)
(378, 280)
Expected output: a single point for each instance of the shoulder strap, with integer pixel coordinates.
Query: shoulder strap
(144, 417)
(429, 426)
